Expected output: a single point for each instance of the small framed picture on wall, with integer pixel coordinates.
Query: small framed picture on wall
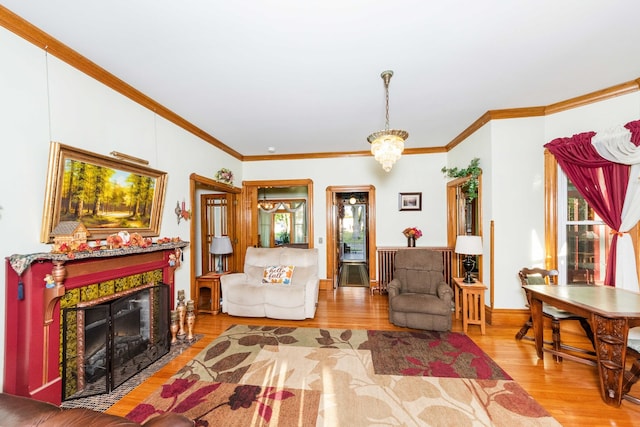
(410, 201)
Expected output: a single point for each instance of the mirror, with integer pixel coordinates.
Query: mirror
(282, 216)
(278, 213)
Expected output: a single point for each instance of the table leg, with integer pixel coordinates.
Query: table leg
(457, 291)
(610, 337)
(537, 321)
(465, 311)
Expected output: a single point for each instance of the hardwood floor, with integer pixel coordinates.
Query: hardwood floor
(568, 390)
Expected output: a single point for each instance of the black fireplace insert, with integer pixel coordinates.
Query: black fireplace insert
(116, 336)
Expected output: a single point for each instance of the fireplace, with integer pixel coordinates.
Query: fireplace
(114, 339)
(35, 339)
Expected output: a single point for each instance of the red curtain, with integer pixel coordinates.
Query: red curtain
(602, 183)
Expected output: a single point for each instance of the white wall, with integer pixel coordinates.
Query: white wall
(419, 173)
(87, 115)
(511, 153)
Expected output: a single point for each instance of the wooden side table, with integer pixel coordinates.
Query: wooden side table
(472, 310)
(208, 292)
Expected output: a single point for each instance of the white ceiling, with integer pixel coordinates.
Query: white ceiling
(304, 76)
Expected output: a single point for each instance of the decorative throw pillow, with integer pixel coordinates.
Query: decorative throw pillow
(278, 274)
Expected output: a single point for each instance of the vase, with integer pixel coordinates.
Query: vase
(411, 242)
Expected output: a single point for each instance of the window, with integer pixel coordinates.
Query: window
(583, 239)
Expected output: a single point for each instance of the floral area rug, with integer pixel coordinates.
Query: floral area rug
(283, 376)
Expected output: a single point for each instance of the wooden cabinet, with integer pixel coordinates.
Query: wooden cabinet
(208, 293)
(471, 297)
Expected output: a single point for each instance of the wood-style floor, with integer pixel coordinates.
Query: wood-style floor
(568, 390)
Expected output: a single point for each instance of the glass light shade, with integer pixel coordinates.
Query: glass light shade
(387, 146)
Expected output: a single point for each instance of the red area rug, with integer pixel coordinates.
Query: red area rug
(433, 354)
(281, 376)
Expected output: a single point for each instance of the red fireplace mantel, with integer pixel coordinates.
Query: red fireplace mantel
(32, 324)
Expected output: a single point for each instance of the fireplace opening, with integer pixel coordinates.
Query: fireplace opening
(116, 337)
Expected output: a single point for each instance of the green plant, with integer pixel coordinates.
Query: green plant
(472, 171)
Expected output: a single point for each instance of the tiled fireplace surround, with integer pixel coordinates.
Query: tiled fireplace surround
(32, 322)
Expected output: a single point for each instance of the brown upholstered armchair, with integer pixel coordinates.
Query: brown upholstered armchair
(419, 297)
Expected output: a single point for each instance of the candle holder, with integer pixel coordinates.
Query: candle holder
(191, 319)
(174, 327)
(181, 308)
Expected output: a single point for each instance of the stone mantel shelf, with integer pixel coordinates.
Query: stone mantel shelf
(20, 263)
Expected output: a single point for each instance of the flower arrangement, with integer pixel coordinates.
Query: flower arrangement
(412, 232)
(224, 175)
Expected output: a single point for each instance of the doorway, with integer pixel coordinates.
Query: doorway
(350, 235)
(352, 239)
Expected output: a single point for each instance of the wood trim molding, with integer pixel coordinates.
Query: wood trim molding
(550, 210)
(50, 45)
(331, 228)
(39, 38)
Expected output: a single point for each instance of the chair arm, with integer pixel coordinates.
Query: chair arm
(393, 288)
(444, 291)
(233, 279)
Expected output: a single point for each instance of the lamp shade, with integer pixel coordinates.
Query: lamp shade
(221, 245)
(469, 245)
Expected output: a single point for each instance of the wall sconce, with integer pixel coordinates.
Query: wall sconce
(182, 212)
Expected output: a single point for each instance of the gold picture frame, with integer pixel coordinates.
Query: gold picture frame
(105, 194)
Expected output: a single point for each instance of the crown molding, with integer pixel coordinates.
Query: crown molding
(39, 38)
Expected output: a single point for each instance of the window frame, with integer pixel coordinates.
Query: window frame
(552, 212)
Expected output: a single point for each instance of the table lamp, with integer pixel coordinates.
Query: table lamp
(468, 246)
(220, 246)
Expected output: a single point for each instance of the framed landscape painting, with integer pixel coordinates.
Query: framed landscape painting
(410, 201)
(105, 194)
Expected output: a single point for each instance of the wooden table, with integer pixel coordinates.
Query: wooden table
(611, 313)
(208, 292)
(472, 295)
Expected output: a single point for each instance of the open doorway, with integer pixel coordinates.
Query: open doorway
(352, 239)
(350, 235)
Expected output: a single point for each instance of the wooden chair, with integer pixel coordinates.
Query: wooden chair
(539, 276)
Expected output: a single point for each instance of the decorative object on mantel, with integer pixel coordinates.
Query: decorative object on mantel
(412, 234)
(473, 171)
(225, 176)
(69, 234)
(21, 262)
(387, 145)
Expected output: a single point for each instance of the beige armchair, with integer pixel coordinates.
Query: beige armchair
(419, 297)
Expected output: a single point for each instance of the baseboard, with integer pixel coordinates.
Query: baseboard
(326, 285)
(506, 316)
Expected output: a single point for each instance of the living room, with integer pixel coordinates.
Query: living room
(47, 99)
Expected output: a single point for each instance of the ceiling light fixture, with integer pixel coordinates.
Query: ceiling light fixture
(264, 204)
(387, 145)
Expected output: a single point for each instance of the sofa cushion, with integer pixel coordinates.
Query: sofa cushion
(278, 274)
(421, 303)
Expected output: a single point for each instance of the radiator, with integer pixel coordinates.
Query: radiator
(386, 260)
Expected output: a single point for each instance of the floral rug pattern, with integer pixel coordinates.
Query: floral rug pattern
(267, 376)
